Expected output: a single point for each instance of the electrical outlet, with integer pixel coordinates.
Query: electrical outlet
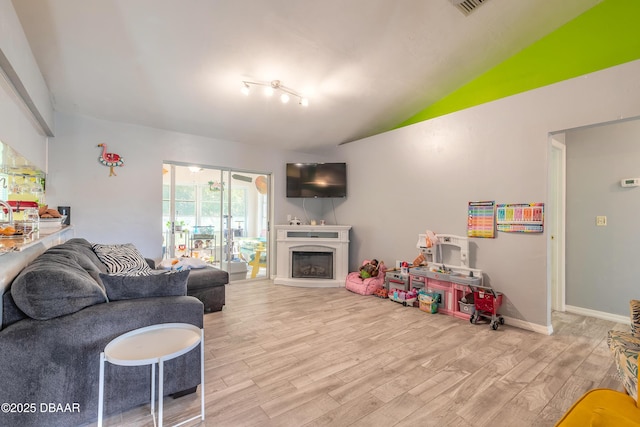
(601, 221)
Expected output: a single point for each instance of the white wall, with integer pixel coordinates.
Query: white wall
(128, 207)
(422, 177)
(18, 128)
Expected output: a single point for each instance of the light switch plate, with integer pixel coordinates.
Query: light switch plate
(601, 221)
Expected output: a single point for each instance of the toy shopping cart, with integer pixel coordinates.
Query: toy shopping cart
(487, 302)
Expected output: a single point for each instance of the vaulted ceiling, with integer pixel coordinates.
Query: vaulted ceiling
(365, 65)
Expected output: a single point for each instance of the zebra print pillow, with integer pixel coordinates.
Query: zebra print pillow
(122, 260)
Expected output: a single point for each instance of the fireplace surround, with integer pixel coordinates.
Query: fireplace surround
(312, 256)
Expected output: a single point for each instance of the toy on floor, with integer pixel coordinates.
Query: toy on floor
(428, 301)
(487, 303)
(366, 286)
(406, 298)
(381, 293)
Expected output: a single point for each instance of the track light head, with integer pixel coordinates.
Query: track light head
(271, 87)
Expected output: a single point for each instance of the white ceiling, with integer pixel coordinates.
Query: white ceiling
(365, 65)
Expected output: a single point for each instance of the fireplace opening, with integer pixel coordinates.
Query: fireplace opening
(311, 265)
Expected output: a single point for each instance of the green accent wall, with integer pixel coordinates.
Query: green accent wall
(604, 36)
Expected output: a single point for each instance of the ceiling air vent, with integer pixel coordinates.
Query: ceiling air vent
(467, 6)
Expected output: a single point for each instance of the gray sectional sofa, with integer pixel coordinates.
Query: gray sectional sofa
(58, 315)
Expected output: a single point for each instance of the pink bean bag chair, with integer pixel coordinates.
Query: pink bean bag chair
(366, 286)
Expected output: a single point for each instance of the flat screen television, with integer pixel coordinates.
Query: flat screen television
(316, 180)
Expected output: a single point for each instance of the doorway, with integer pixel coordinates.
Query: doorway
(556, 222)
(219, 216)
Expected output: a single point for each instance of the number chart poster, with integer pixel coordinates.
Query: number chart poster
(521, 218)
(481, 220)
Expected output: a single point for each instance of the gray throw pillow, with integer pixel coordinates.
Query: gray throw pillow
(54, 285)
(171, 283)
(122, 259)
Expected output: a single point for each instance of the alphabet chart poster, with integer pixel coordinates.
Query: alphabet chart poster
(481, 219)
(520, 217)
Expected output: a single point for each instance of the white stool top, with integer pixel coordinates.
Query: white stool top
(151, 344)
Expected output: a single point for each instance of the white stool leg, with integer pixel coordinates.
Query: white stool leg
(153, 392)
(160, 390)
(101, 390)
(202, 374)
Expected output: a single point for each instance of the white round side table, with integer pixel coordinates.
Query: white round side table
(153, 345)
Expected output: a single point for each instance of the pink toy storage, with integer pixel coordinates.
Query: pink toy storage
(365, 286)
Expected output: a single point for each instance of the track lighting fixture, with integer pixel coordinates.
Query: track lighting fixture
(273, 86)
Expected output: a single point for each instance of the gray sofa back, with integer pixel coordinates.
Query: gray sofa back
(11, 264)
(62, 280)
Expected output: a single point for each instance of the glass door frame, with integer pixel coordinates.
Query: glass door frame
(256, 215)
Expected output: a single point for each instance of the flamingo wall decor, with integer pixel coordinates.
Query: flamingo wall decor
(110, 159)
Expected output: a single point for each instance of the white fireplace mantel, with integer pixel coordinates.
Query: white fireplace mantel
(334, 238)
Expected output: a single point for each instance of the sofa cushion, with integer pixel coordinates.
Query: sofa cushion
(55, 284)
(123, 259)
(171, 283)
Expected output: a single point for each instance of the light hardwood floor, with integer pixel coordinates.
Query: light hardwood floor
(283, 356)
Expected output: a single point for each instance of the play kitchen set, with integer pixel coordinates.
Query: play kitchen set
(453, 289)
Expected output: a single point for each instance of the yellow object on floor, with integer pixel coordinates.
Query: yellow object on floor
(602, 408)
(256, 264)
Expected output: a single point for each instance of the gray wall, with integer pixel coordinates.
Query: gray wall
(422, 177)
(601, 270)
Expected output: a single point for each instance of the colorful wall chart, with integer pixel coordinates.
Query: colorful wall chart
(520, 217)
(481, 220)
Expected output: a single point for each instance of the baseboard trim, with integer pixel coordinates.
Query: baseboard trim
(548, 330)
(598, 314)
(523, 324)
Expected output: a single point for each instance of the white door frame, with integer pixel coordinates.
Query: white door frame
(556, 220)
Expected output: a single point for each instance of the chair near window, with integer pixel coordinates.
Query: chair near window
(259, 260)
(603, 407)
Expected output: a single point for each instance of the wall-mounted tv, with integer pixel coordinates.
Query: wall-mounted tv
(316, 180)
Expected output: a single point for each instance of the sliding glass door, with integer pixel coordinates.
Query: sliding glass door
(217, 215)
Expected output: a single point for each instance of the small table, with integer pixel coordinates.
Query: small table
(153, 345)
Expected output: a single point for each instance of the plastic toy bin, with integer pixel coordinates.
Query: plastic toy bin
(427, 301)
(429, 307)
(467, 308)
